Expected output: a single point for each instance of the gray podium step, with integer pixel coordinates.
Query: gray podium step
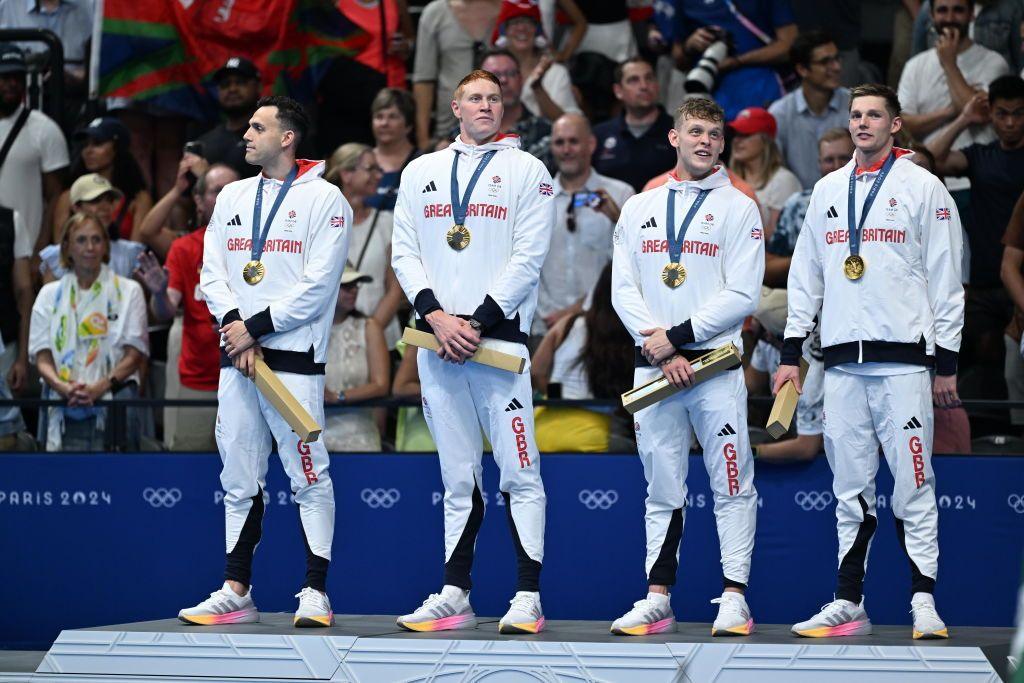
(364, 649)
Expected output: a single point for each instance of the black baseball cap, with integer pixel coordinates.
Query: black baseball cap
(12, 59)
(102, 129)
(237, 65)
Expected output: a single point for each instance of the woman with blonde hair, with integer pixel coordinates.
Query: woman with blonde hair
(756, 158)
(88, 339)
(353, 168)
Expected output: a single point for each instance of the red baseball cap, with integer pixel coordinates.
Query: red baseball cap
(754, 120)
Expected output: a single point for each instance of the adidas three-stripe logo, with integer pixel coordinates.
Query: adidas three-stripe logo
(727, 430)
(237, 220)
(513, 406)
(832, 213)
(912, 424)
(431, 187)
(651, 223)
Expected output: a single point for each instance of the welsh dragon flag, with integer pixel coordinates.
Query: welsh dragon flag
(165, 52)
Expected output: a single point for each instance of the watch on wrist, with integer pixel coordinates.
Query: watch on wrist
(476, 324)
(115, 384)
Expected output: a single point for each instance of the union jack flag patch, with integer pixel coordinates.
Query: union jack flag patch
(942, 214)
(755, 233)
(337, 221)
(546, 189)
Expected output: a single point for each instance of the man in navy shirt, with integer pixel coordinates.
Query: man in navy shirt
(633, 147)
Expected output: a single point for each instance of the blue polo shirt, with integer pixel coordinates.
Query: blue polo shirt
(751, 86)
(633, 160)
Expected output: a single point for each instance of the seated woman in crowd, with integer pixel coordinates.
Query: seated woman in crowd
(93, 194)
(105, 150)
(756, 159)
(358, 369)
(393, 119)
(88, 339)
(354, 169)
(585, 356)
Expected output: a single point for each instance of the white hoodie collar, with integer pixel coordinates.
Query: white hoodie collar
(717, 178)
(502, 141)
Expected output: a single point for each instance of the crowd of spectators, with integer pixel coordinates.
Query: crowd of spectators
(101, 240)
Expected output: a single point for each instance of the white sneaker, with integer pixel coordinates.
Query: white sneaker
(524, 616)
(733, 616)
(651, 615)
(222, 607)
(448, 610)
(927, 623)
(837, 618)
(314, 609)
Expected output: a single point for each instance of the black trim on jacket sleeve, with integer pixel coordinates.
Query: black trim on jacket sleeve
(260, 324)
(295, 362)
(681, 334)
(426, 302)
(792, 349)
(945, 361)
(507, 329)
(489, 313)
(230, 317)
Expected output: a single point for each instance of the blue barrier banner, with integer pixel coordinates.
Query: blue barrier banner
(89, 540)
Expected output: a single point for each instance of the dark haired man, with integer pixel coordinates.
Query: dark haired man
(879, 225)
(273, 255)
(687, 266)
(238, 89)
(633, 146)
(818, 105)
(472, 227)
(996, 172)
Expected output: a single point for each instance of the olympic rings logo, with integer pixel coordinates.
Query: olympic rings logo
(161, 497)
(380, 498)
(1016, 503)
(598, 499)
(813, 500)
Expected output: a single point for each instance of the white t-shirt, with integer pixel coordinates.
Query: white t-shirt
(924, 88)
(558, 85)
(781, 186)
(39, 148)
(22, 245)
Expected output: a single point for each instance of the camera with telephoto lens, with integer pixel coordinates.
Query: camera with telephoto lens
(701, 78)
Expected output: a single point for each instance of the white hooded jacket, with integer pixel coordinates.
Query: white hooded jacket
(494, 279)
(290, 311)
(723, 253)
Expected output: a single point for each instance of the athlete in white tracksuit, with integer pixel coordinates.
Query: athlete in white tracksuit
(723, 254)
(491, 282)
(880, 334)
(289, 314)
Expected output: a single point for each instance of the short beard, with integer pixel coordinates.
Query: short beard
(8, 107)
(239, 111)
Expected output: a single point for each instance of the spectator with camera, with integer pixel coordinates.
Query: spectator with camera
(633, 147)
(393, 120)
(996, 174)
(586, 209)
(731, 49)
(193, 356)
(88, 339)
(238, 89)
(756, 159)
(31, 172)
(819, 104)
(106, 151)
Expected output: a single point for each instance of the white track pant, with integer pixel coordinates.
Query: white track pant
(246, 423)
(717, 411)
(894, 411)
(457, 401)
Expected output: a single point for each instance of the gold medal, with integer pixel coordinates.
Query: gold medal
(854, 267)
(253, 272)
(673, 275)
(458, 237)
